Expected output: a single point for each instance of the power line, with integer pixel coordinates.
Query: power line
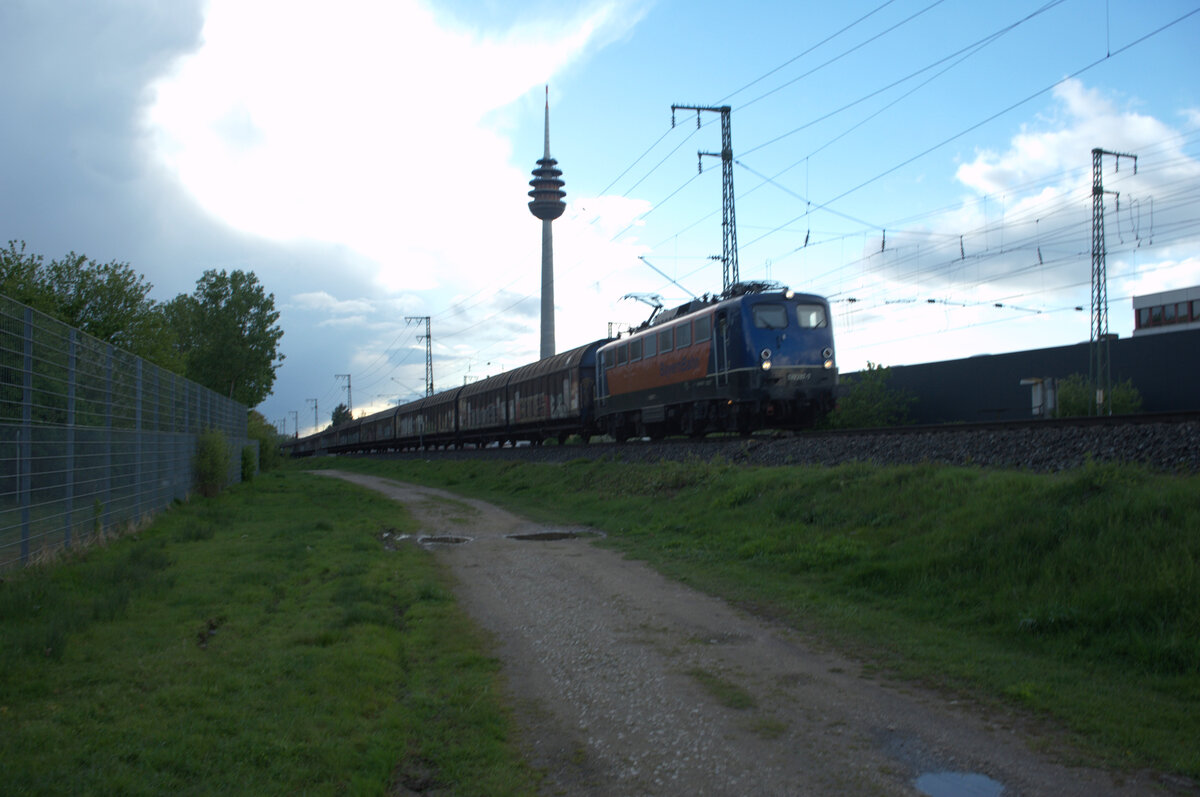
(1000, 113)
(844, 53)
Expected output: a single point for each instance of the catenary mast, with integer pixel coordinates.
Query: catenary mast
(547, 204)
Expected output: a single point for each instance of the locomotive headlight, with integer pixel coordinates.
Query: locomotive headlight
(765, 354)
(828, 364)
(790, 294)
(766, 366)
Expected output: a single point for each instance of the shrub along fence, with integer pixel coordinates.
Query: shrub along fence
(92, 438)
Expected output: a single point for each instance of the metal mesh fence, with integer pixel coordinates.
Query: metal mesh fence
(92, 438)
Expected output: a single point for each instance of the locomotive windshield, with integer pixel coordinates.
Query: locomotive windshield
(811, 316)
(770, 316)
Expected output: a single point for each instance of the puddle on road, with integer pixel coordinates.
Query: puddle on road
(444, 539)
(552, 536)
(958, 784)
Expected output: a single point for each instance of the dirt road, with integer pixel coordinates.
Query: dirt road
(626, 683)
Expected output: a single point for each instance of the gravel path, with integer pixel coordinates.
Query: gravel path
(626, 683)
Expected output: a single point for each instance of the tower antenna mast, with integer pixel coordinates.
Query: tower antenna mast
(546, 203)
(729, 261)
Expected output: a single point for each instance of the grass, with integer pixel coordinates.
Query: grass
(262, 642)
(1073, 596)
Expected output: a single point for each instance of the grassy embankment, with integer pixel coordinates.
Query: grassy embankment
(262, 642)
(1075, 595)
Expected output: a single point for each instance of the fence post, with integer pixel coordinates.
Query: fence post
(72, 353)
(108, 434)
(139, 476)
(25, 466)
(185, 482)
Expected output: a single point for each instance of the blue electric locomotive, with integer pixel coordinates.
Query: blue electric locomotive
(758, 358)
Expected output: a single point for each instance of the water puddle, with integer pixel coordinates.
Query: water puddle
(552, 536)
(445, 539)
(958, 784)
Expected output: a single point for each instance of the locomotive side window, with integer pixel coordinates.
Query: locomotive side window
(666, 340)
(622, 354)
(650, 341)
(811, 316)
(683, 335)
(770, 316)
(635, 350)
(703, 328)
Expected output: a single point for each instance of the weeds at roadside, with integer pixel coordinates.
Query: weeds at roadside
(259, 642)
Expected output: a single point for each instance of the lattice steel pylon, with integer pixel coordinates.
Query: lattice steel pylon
(1099, 367)
(729, 262)
(428, 351)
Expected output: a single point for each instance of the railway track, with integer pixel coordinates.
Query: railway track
(1162, 441)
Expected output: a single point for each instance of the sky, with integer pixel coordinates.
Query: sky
(924, 164)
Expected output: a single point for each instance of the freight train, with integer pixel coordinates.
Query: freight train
(756, 357)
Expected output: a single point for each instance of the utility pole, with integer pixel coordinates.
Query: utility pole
(295, 423)
(1101, 372)
(316, 415)
(428, 351)
(729, 271)
(349, 399)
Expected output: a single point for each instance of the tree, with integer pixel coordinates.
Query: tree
(869, 402)
(341, 415)
(227, 335)
(109, 301)
(21, 277)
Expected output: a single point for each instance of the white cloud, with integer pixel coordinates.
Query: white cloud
(320, 300)
(369, 124)
(1088, 120)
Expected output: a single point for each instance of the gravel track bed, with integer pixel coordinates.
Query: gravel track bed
(1165, 446)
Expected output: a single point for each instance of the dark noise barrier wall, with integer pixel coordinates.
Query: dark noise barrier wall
(1165, 368)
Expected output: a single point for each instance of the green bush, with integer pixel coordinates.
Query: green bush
(869, 402)
(1076, 391)
(211, 463)
(269, 454)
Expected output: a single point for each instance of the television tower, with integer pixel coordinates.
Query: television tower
(547, 204)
